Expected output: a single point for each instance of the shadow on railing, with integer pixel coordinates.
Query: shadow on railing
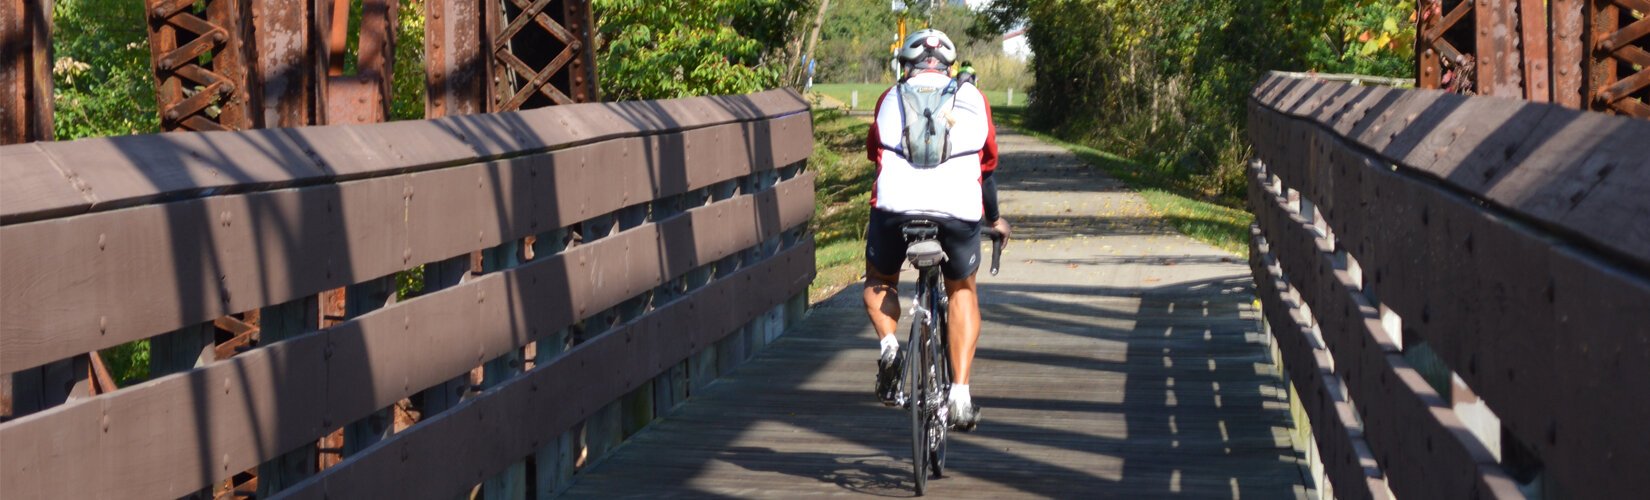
(622, 248)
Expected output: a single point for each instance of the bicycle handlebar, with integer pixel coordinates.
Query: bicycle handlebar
(996, 247)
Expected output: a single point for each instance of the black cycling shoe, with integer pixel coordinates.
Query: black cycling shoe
(964, 417)
(888, 371)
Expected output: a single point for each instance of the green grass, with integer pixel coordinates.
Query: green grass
(1191, 213)
(841, 199)
(868, 93)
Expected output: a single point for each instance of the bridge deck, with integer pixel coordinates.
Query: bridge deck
(1118, 360)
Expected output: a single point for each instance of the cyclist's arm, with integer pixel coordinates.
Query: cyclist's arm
(988, 195)
(988, 165)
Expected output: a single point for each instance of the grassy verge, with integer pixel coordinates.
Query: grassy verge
(1189, 212)
(868, 92)
(841, 200)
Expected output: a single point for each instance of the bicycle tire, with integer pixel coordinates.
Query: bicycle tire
(915, 365)
(942, 384)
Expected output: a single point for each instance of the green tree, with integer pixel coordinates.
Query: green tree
(854, 41)
(1166, 83)
(101, 73)
(654, 49)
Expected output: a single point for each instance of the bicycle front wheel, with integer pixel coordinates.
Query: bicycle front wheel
(941, 387)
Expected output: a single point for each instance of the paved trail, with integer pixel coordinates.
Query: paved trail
(1119, 360)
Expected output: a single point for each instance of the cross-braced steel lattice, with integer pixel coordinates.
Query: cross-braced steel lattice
(540, 60)
(1620, 72)
(200, 63)
(1584, 54)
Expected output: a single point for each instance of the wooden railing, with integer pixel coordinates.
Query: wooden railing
(1459, 288)
(585, 268)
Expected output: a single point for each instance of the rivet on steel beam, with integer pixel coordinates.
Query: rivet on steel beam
(103, 325)
(219, 36)
(406, 255)
(162, 10)
(226, 385)
(102, 241)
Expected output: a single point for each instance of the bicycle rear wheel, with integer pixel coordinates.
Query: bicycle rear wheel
(917, 388)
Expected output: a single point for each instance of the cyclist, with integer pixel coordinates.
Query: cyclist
(957, 193)
(966, 74)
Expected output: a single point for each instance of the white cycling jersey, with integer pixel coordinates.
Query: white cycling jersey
(951, 189)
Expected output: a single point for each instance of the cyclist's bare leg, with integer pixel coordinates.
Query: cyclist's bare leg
(882, 301)
(963, 329)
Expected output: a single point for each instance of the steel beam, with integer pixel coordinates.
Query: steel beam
(25, 71)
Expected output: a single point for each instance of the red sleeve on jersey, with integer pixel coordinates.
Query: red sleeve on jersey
(988, 153)
(873, 141)
(873, 145)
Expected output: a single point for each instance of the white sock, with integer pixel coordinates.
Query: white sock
(959, 393)
(890, 344)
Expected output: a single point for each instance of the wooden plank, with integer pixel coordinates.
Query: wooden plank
(204, 258)
(35, 183)
(582, 381)
(368, 363)
(130, 170)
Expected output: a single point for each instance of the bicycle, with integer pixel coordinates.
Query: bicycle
(926, 383)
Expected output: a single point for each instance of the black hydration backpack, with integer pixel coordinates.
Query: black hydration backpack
(926, 112)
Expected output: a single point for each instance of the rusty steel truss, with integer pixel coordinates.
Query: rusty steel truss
(25, 71)
(238, 64)
(1584, 54)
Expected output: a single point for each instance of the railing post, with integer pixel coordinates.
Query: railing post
(278, 323)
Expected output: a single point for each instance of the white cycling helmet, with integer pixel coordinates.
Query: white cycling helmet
(928, 43)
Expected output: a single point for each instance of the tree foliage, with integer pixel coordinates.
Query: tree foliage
(654, 49)
(855, 40)
(101, 79)
(1165, 82)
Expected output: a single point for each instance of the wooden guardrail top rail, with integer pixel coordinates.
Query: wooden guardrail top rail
(57, 179)
(1579, 174)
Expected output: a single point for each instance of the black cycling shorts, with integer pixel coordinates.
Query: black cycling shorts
(885, 244)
